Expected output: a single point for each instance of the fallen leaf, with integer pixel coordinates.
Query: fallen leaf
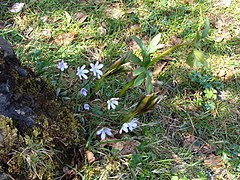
(197, 145)
(44, 18)
(125, 147)
(68, 173)
(102, 31)
(98, 2)
(46, 32)
(186, 1)
(114, 11)
(129, 147)
(215, 163)
(17, 7)
(64, 39)
(80, 17)
(68, 16)
(90, 157)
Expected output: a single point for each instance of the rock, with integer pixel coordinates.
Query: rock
(29, 108)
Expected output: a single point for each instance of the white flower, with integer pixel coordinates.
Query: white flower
(131, 125)
(86, 107)
(83, 92)
(103, 132)
(112, 103)
(62, 65)
(81, 72)
(95, 68)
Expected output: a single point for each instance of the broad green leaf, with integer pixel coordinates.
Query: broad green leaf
(140, 43)
(153, 44)
(190, 60)
(206, 29)
(198, 58)
(146, 60)
(149, 82)
(138, 71)
(136, 59)
(139, 80)
(197, 40)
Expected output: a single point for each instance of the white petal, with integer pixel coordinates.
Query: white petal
(98, 76)
(125, 127)
(96, 64)
(115, 102)
(94, 72)
(84, 76)
(100, 66)
(99, 72)
(113, 106)
(108, 132)
(99, 132)
(130, 128)
(109, 106)
(103, 135)
(92, 65)
(85, 71)
(83, 66)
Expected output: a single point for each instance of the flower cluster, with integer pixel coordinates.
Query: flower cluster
(126, 127)
(82, 72)
(130, 125)
(111, 103)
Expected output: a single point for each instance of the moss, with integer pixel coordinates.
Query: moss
(8, 135)
(35, 140)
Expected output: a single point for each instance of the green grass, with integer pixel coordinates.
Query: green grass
(164, 151)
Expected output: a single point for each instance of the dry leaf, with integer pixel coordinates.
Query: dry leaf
(17, 7)
(215, 163)
(197, 145)
(129, 147)
(186, 1)
(125, 147)
(46, 33)
(98, 2)
(90, 157)
(80, 17)
(225, 74)
(102, 31)
(68, 173)
(64, 39)
(114, 11)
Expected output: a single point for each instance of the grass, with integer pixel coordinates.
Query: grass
(179, 139)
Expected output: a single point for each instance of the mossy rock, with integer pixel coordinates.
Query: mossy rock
(30, 110)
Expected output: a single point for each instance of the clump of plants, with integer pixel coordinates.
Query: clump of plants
(88, 83)
(210, 87)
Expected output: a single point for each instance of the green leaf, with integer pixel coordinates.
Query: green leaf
(149, 82)
(190, 60)
(206, 29)
(138, 71)
(153, 44)
(126, 87)
(136, 59)
(198, 58)
(140, 43)
(174, 178)
(139, 80)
